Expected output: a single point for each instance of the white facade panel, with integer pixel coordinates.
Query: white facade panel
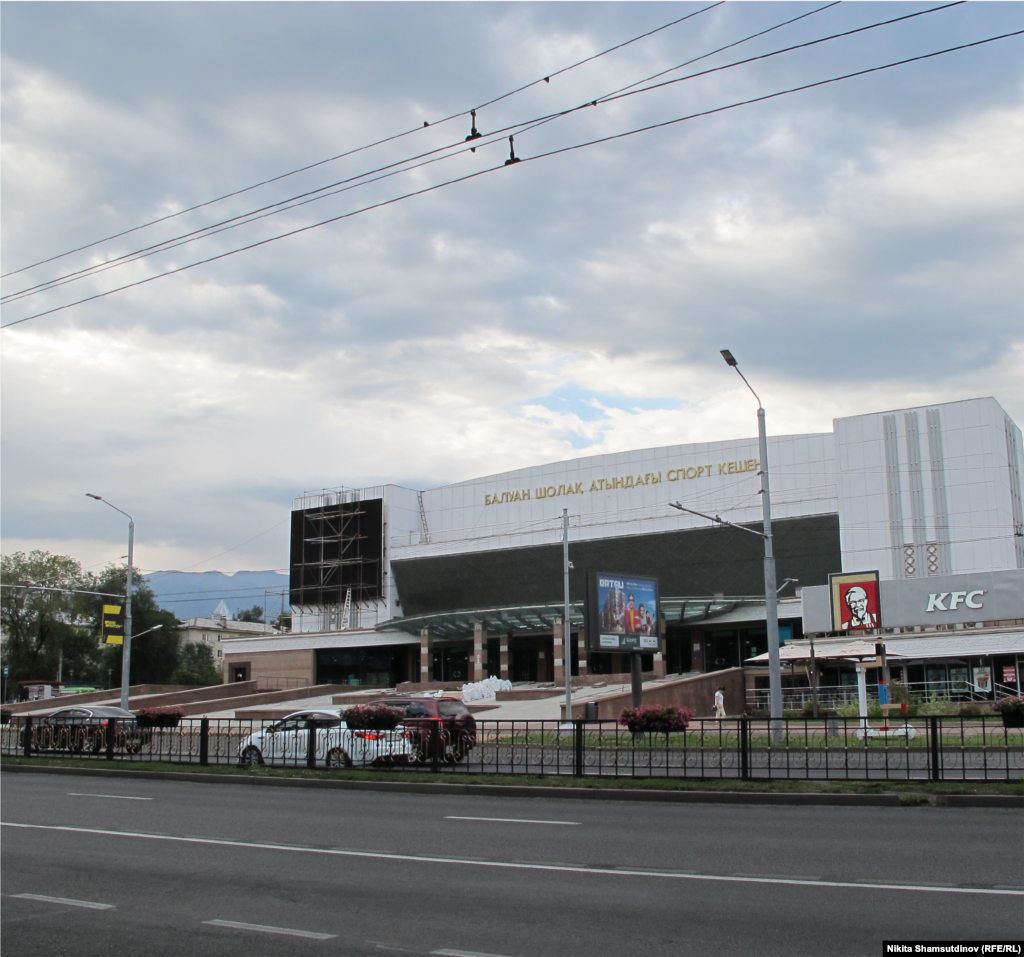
(933, 490)
(936, 499)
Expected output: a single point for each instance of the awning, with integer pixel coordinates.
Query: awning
(531, 619)
(801, 651)
(956, 644)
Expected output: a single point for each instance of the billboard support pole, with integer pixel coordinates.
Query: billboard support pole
(637, 679)
(566, 627)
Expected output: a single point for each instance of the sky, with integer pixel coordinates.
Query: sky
(857, 245)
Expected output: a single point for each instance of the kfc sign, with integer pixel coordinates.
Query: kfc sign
(855, 601)
(970, 599)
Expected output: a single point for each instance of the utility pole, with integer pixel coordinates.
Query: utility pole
(126, 654)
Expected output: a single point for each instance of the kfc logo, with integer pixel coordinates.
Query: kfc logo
(855, 603)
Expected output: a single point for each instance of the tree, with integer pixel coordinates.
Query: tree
(154, 656)
(195, 666)
(47, 632)
(254, 614)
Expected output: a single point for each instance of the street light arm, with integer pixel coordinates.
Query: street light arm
(147, 631)
(100, 498)
(730, 359)
(716, 519)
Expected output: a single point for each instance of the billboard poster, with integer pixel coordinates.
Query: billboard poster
(983, 679)
(855, 604)
(622, 612)
(112, 625)
(1009, 674)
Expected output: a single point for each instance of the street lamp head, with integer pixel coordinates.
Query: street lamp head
(729, 357)
(99, 498)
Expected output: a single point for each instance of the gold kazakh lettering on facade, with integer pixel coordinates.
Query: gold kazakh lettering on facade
(624, 481)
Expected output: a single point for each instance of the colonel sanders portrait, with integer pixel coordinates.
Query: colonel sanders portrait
(858, 615)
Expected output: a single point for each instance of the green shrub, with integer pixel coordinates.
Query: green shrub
(852, 709)
(938, 705)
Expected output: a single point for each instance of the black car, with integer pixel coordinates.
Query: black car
(84, 728)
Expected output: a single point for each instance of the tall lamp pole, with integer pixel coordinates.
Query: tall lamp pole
(770, 590)
(566, 629)
(126, 655)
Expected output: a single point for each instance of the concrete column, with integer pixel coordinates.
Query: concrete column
(425, 651)
(504, 658)
(581, 640)
(559, 651)
(478, 665)
(660, 665)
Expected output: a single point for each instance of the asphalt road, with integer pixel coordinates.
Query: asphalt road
(196, 869)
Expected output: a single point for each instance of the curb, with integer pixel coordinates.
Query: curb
(980, 800)
(594, 794)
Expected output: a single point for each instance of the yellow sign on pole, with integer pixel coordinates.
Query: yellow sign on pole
(112, 625)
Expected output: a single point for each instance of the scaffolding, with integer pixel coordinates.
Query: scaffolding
(337, 555)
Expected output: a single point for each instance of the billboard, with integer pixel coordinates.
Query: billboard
(622, 612)
(855, 602)
(112, 624)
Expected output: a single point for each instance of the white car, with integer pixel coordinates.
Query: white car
(337, 746)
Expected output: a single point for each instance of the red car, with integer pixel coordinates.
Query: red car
(455, 726)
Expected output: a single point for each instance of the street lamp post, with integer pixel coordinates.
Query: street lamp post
(126, 654)
(566, 629)
(770, 591)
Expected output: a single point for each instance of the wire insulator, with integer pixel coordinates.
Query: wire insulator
(512, 158)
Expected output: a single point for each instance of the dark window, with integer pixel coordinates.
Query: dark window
(382, 667)
(723, 650)
(687, 562)
(449, 709)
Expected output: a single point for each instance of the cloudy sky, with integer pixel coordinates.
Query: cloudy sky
(857, 245)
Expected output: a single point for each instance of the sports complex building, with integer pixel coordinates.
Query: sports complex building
(452, 584)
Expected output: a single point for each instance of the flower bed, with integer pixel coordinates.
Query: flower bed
(659, 719)
(372, 717)
(159, 717)
(1012, 710)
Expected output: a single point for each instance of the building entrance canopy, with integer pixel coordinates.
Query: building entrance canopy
(533, 619)
(801, 651)
(958, 644)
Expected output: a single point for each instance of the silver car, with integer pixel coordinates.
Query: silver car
(337, 746)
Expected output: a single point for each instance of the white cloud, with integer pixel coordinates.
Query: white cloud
(837, 243)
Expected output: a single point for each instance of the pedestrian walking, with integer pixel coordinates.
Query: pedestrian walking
(720, 702)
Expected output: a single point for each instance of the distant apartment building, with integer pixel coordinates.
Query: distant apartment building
(212, 631)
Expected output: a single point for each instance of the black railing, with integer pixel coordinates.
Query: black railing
(930, 748)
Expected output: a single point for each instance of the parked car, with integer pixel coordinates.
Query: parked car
(337, 746)
(84, 728)
(456, 726)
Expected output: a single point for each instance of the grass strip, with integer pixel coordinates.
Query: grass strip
(903, 788)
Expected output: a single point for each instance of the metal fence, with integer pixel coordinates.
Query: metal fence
(834, 696)
(931, 748)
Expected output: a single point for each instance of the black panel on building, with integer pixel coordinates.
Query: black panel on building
(700, 562)
(336, 548)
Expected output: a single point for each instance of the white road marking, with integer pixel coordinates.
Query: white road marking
(505, 820)
(514, 866)
(69, 901)
(462, 953)
(118, 797)
(266, 929)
